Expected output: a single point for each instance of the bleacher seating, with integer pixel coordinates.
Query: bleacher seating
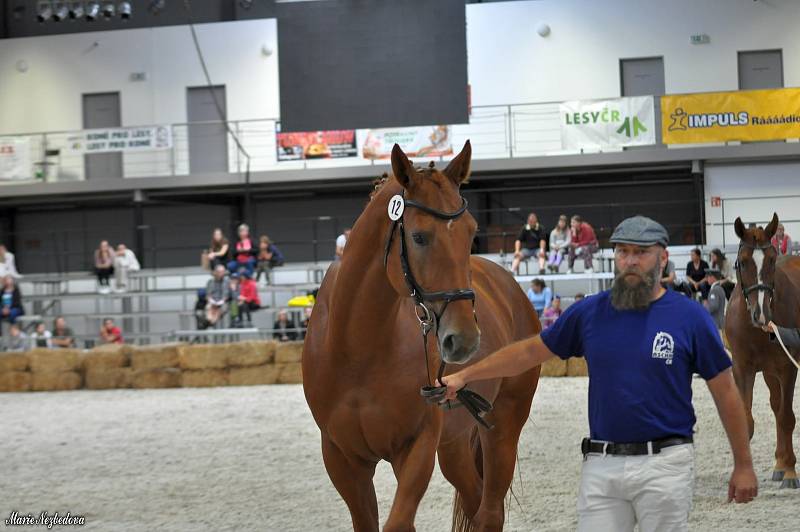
(161, 302)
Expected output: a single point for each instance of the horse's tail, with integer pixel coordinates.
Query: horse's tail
(462, 522)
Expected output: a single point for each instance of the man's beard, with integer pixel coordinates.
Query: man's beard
(625, 296)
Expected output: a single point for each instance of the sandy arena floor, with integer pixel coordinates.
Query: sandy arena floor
(248, 459)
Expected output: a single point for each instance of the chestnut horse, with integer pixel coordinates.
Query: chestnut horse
(768, 288)
(364, 359)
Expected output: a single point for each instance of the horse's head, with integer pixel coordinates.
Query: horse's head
(434, 238)
(755, 269)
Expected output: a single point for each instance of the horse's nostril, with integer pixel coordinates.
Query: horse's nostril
(449, 343)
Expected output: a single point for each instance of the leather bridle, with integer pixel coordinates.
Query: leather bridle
(428, 318)
(759, 286)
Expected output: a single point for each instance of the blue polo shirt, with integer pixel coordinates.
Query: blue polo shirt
(640, 363)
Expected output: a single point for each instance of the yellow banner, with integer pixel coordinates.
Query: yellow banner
(772, 114)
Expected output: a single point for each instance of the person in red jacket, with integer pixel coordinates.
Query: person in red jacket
(248, 296)
(583, 244)
(781, 241)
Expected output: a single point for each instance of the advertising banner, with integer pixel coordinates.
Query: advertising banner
(15, 158)
(423, 141)
(597, 124)
(315, 144)
(124, 139)
(770, 114)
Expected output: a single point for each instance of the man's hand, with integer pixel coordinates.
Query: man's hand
(454, 383)
(743, 485)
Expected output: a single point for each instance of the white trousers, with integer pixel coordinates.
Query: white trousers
(617, 492)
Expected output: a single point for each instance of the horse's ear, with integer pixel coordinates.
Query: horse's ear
(459, 168)
(401, 167)
(772, 227)
(738, 226)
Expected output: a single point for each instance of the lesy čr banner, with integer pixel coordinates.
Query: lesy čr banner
(770, 114)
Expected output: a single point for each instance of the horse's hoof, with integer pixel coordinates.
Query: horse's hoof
(777, 476)
(791, 483)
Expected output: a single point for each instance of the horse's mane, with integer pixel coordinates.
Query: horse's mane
(378, 183)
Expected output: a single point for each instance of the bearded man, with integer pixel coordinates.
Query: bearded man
(642, 345)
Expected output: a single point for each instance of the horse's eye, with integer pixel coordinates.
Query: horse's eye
(419, 239)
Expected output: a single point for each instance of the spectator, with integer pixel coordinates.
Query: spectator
(306, 318)
(62, 335)
(17, 340)
(579, 297)
(218, 250)
(125, 261)
(41, 337)
(531, 241)
(8, 265)
(583, 244)
(269, 256)
(781, 241)
(720, 262)
(715, 303)
(668, 275)
(283, 328)
(245, 252)
(110, 333)
(200, 320)
(10, 301)
(248, 298)
(104, 266)
(341, 241)
(551, 313)
(560, 237)
(539, 295)
(218, 293)
(234, 290)
(696, 275)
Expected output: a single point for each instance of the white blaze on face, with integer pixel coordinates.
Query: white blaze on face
(450, 225)
(758, 257)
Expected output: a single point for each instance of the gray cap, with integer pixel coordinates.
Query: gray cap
(715, 272)
(640, 231)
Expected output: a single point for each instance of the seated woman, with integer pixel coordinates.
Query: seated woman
(720, 262)
(245, 254)
(104, 266)
(539, 295)
(269, 256)
(10, 301)
(219, 249)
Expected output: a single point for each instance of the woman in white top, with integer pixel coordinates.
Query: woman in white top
(124, 261)
(560, 237)
(7, 264)
(41, 337)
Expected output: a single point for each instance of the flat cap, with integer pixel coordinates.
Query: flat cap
(640, 231)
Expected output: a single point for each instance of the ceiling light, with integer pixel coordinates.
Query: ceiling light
(76, 10)
(124, 9)
(44, 11)
(108, 10)
(92, 10)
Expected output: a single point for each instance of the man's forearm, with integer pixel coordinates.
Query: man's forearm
(510, 360)
(731, 413)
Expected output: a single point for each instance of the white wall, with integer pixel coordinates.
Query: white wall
(510, 63)
(752, 192)
(63, 67)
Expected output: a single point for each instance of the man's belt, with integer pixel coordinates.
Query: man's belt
(631, 449)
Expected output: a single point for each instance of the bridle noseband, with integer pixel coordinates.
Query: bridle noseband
(759, 286)
(429, 319)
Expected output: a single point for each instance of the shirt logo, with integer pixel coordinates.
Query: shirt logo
(663, 347)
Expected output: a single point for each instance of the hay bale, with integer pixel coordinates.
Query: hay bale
(290, 373)
(204, 377)
(555, 367)
(157, 378)
(107, 356)
(265, 374)
(54, 360)
(576, 367)
(108, 378)
(203, 356)
(156, 356)
(15, 381)
(13, 362)
(46, 381)
(289, 352)
(243, 354)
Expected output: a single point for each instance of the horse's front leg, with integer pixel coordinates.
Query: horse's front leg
(413, 466)
(784, 453)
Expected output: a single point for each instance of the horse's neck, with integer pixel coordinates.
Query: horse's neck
(363, 294)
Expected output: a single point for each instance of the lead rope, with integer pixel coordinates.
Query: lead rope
(780, 341)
